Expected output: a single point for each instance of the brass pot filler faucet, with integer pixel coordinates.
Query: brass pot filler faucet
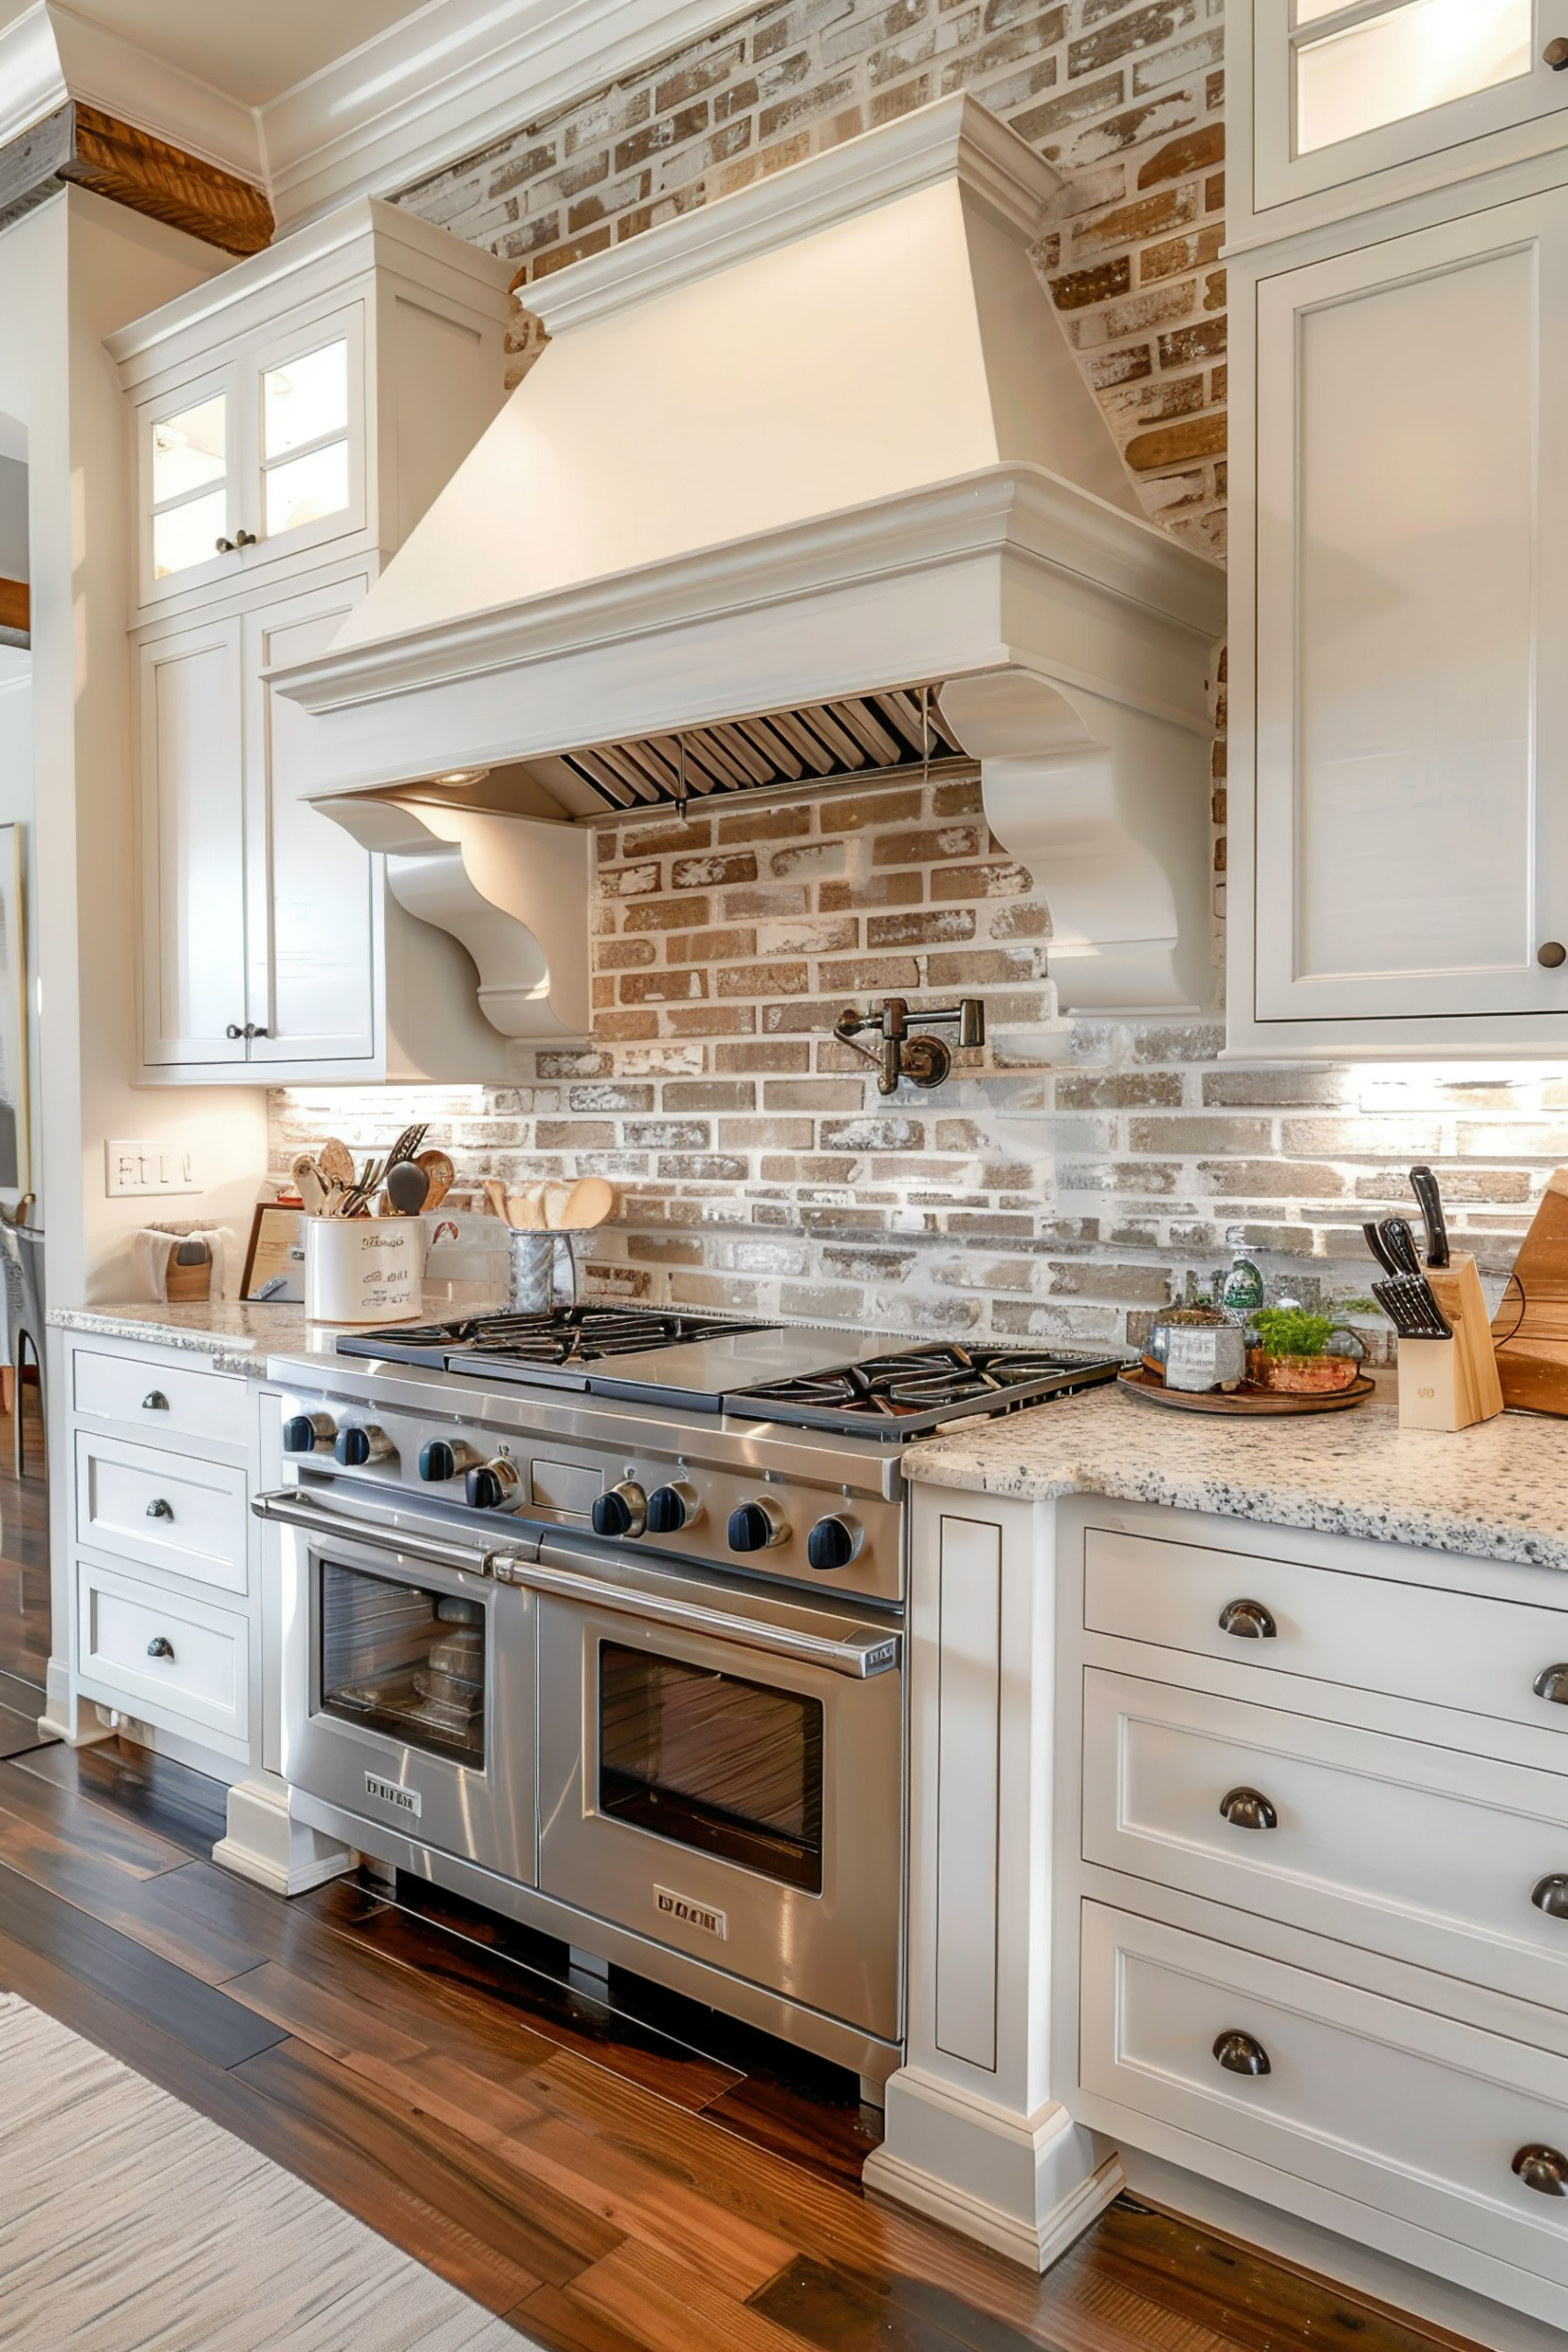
(925, 1061)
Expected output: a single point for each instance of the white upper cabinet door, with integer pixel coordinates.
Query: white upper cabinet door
(305, 484)
(312, 931)
(1348, 91)
(192, 845)
(188, 461)
(1412, 551)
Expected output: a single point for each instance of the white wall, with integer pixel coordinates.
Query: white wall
(70, 273)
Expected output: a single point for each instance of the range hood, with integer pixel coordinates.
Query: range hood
(806, 484)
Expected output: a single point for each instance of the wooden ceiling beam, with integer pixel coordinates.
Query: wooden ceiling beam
(81, 146)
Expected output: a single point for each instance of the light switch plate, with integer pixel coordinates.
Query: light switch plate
(149, 1168)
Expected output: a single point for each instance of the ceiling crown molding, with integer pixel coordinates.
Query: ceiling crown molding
(451, 80)
(51, 58)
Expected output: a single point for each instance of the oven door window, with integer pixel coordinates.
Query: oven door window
(724, 1766)
(403, 1661)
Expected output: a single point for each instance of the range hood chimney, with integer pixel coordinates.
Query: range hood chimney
(799, 453)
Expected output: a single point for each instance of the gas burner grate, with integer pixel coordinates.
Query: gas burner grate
(553, 1338)
(914, 1390)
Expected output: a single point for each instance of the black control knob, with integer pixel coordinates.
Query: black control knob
(754, 1527)
(622, 1511)
(358, 1443)
(833, 1542)
(303, 1432)
(437, 1461)
(670, 1509)
(492, 1485)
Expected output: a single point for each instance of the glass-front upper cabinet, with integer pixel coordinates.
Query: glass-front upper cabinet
(1345, 91)
(260, 461)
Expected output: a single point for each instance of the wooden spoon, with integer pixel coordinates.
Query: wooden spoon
(408, 1188)
(309, 1182)
(495, 1199)
(553, 1206)
(590, 1203)
(526, 1210)
(335, 1161)
(441, 1173)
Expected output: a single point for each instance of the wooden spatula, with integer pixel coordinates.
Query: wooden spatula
(589, 1205)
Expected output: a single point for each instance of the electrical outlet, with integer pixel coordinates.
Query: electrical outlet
(149, 1168)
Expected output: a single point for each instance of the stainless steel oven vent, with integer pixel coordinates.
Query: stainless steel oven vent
(863, 735)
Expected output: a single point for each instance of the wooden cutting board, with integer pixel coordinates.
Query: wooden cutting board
(1530, 1326)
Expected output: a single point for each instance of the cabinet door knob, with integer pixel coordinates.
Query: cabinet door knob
(1551, 1682)
(1556, 54)
(1551, 1896)
(1250, 1622)
(245, 538)
(224, 547)
(253, 1029)
(1248, 1809)
(1544, 2170)
(154, 1401)
(1239, 2054)
(159, 1509)
(160, 1646)
(1551, 953)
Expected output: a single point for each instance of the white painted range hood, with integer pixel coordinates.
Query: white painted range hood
(812, 444)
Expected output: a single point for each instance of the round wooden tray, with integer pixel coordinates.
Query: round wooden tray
(1138, 1381)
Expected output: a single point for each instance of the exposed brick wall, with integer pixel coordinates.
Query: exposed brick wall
(1124, 97)
(1074, 1176)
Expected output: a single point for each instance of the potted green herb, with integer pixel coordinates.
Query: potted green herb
(1291, 1353)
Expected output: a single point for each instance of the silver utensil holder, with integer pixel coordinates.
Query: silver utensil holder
(542, 1271)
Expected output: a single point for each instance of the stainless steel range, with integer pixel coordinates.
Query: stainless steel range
(597, 1616)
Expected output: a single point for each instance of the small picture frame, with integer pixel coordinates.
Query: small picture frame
(274, 1261)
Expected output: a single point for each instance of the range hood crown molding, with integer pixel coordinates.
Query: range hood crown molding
(955, 138)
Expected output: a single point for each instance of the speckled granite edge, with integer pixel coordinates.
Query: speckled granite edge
(1496, 1492)
(239, 1335)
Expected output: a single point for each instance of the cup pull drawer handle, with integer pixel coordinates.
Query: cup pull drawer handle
(1248, 1809)
(160, 1646)
(1239, 2054)
(1551, 1896)
(154, 1401)
(159, 1509)
(1551, 1682)
(1250, 1622)
(1544, 2170)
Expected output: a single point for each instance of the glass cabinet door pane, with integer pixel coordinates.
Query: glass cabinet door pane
(403, 1661)
(306, 400)
(728, 1768)
(188, 535)
(305, 488)
(189, 450)
(1425, 54)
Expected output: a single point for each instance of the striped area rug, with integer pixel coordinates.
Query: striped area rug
(129, 2223)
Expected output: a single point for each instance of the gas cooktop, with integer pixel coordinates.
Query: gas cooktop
(814, 1377)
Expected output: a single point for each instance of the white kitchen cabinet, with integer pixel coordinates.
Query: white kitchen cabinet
(1347, 105)
(307, 405)
(273, 949)
(1400, 867)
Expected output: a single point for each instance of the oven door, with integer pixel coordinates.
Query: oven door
(408, 1686)
(743, 1806)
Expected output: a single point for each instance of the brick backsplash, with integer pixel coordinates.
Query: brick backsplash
(1076, 1174)
(1126, 100)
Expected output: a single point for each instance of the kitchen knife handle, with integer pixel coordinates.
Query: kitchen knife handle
(1423, 1184)
(1378, 1247)
(1400, 1237)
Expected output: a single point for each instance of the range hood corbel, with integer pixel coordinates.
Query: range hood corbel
(512, 890)
(1107, 805)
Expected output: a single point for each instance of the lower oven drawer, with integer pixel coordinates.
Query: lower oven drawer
(1412, 2113)
(1428, 1854)
(730, 1804)
(174, 1661)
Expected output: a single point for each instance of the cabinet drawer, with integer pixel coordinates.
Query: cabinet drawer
(1428, 1854)
(179, 1662)
(160, 1397)
(1412, 2113)
(1451, 1649)
(169, 1510)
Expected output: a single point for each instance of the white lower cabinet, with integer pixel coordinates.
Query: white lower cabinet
(168, 1657)
(1418, 2115)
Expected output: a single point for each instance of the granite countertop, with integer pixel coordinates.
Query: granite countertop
(1498, 1491)
(237, 1334)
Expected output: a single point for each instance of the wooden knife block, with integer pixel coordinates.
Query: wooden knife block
(1531, 1325)
(1451, 1384)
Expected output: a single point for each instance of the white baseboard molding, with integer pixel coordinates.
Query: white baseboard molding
(1036, 2247)
(74, 1721)
(266, 1846)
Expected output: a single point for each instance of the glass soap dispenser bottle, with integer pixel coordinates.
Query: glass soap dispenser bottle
(1242, 1293)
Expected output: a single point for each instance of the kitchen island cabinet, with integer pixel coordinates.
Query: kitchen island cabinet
(1239, 1844)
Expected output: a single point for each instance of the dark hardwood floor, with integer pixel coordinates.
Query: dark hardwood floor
(613, 2170)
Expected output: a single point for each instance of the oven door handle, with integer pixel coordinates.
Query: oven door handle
(863, 1651)
(287, 1505)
